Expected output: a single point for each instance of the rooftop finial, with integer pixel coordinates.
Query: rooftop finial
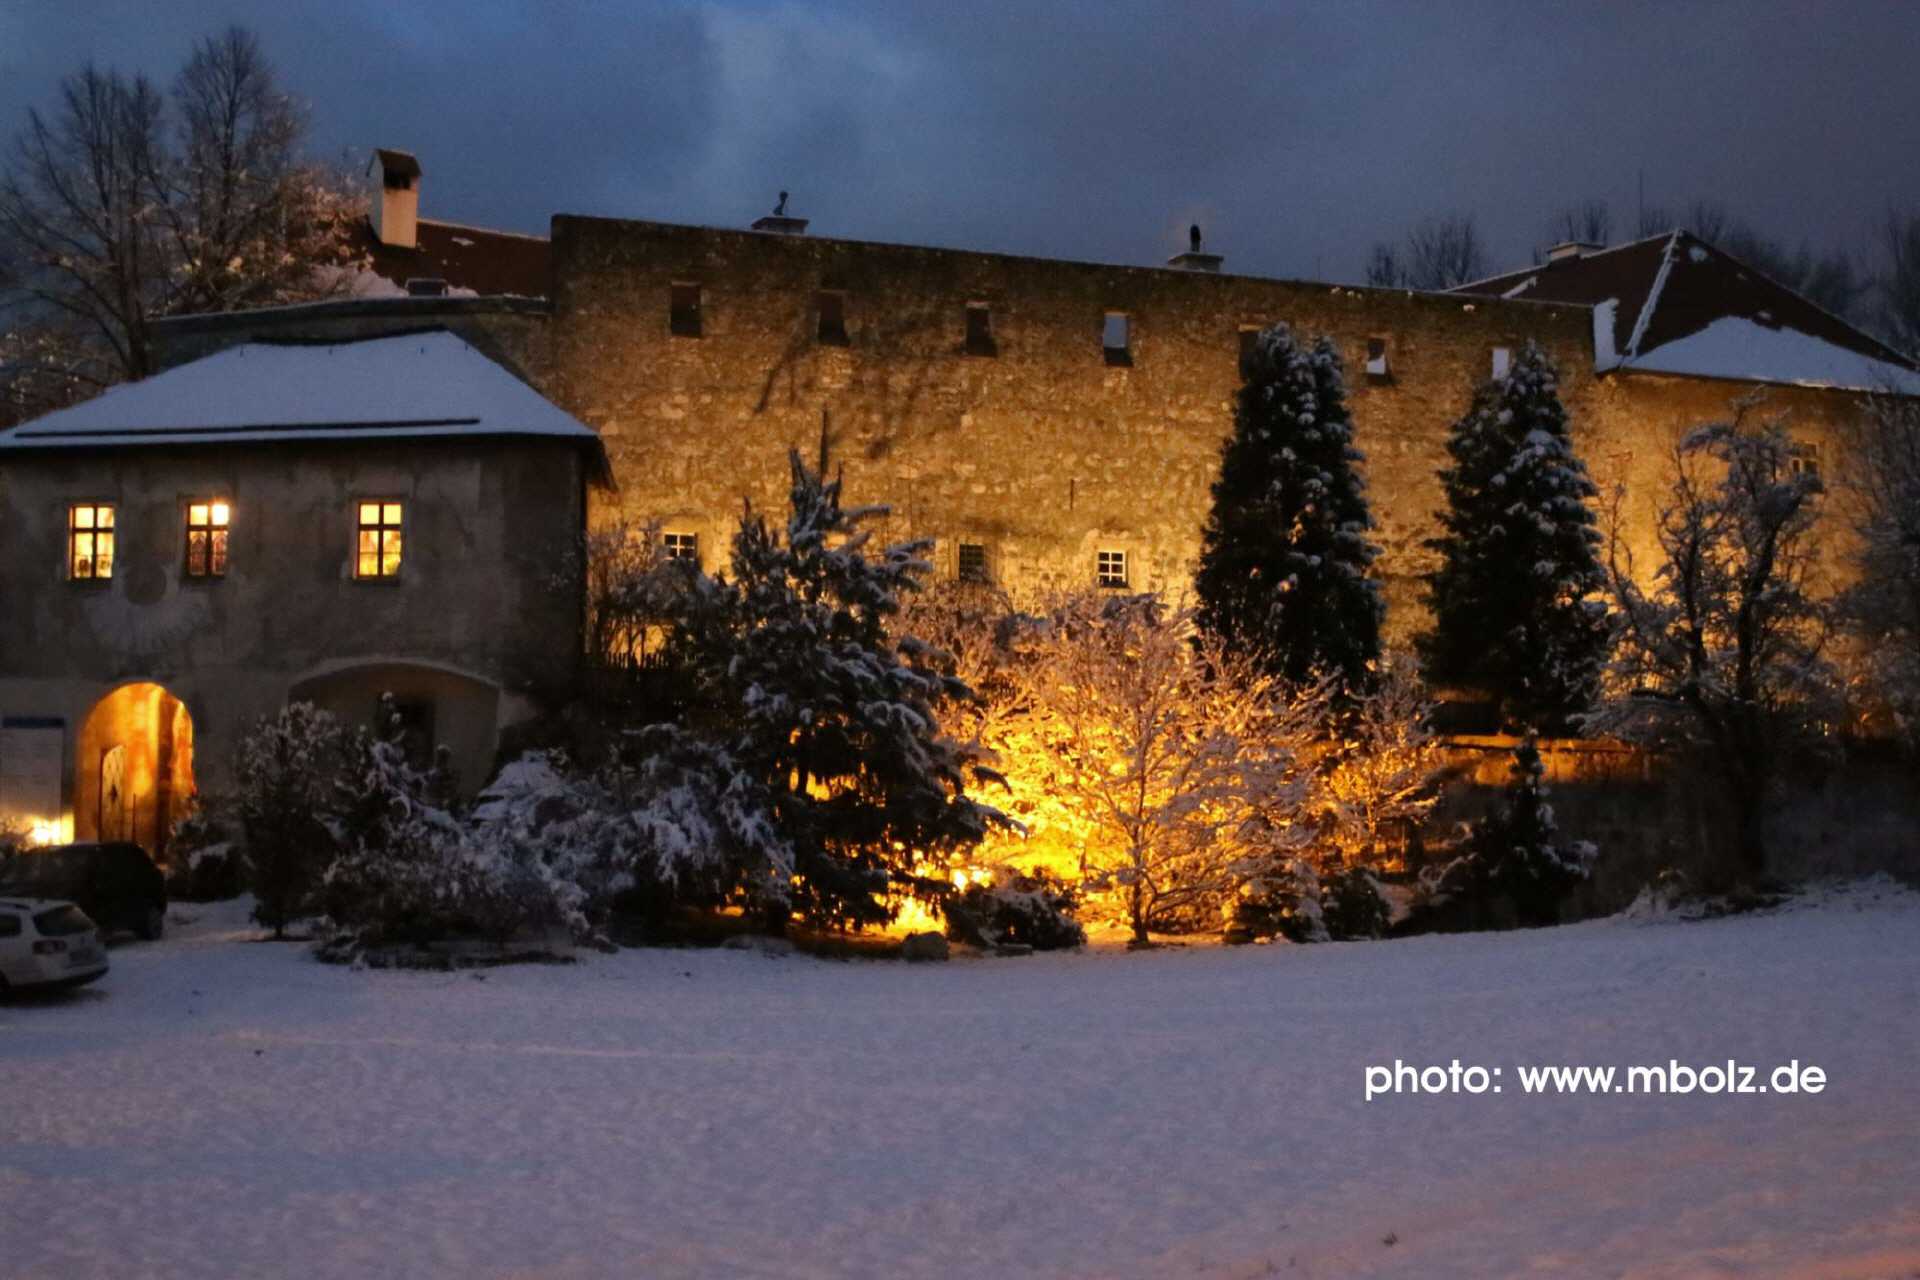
(780, 210)
(1193, 237)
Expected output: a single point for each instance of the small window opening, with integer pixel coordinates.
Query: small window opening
(377, 551)
(1110, 568)
(1803, 458)
(980, 330)
(1502, 361)
(1377, 369)
(1249, 343)
(90, 542)
(1116, 338)
(683, 311)
(832, 306)
(207, 528)
(971, 563)
(681, 546)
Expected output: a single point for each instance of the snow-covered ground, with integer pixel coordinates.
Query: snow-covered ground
(219, 1107)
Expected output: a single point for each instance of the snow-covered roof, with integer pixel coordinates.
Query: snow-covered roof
(1675, 304)
(411, 386)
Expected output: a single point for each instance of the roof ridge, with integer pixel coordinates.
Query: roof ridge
(1648, 307)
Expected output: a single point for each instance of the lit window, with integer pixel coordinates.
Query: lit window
(683, 311)
(90, 541)
(1116, 338)
(1110, 568)
(971, 563)
(1502, 361)
(377, 552)
(1803, 459)
(1377, 370)
(980, 330)
(832, 306)
(682, 546)
(207, 538)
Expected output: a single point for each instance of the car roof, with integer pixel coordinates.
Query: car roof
(32, 904)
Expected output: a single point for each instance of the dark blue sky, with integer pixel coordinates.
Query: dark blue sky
(1298, 135)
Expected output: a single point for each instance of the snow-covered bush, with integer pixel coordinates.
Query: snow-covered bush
(1353, 906)
(1381, 769)
(1515, 858)
(286, 770)
(1282, 901)
(1031, 909)
(204, 860)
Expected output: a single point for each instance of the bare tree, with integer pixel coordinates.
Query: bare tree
(1880, 477)
(1382, 776)
(1438, 254)
(1725, 647)
(1589, 222)
(1900, 286)
(109, 219)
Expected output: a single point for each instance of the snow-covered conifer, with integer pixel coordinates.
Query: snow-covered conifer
(827, 716)
(1285, 551)
(1516, 604)
(1517, 851)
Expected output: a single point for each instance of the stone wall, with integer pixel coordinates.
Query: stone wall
(1044, 452)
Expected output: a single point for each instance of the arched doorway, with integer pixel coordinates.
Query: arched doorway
(134, 761)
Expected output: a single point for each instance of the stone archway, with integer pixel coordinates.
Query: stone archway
(134, 767)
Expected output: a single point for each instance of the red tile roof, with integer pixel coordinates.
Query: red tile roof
(487, 262)
(1674, 285)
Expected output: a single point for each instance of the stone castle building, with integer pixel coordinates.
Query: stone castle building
(1048, 424)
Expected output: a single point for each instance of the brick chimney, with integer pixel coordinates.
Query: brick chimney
(1572, 249)
(395, 211)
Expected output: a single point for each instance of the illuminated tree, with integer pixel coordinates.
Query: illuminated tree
(1517, 853)
(1284, 556)
(1514, 598)
(286, 769)
(1185, 761)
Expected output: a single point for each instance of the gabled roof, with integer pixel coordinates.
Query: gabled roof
(467, 258)
(427, 385)
(1673, 303)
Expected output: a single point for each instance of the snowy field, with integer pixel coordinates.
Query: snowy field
(219, 1107)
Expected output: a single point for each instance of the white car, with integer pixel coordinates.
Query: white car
(47, 943)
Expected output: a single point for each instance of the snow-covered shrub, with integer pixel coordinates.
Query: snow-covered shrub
(1381, 768)
(1018, 908)
(285, 771)
(204, 861)
(1282, 902)
(1515, 855)
(1353, 907)
(410, 870)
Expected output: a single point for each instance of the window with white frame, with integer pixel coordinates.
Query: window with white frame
(1110, 568)
(681, 546)
(90, 539)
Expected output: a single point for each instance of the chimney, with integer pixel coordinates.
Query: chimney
(1193, 259)
(1571, 249)
(779, 223)
(395, 211)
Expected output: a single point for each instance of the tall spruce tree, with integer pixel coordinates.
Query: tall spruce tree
(1515, 600)
(1284, 556)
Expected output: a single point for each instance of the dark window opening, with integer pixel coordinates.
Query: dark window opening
(833, 318)
(1110, 569)
(1116, 338)
(1249, 343)
(1803, 459)
(1377, 369)
(980, 330)
(426, 287)
(683, 311)
(682, 546)
(971, 563)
